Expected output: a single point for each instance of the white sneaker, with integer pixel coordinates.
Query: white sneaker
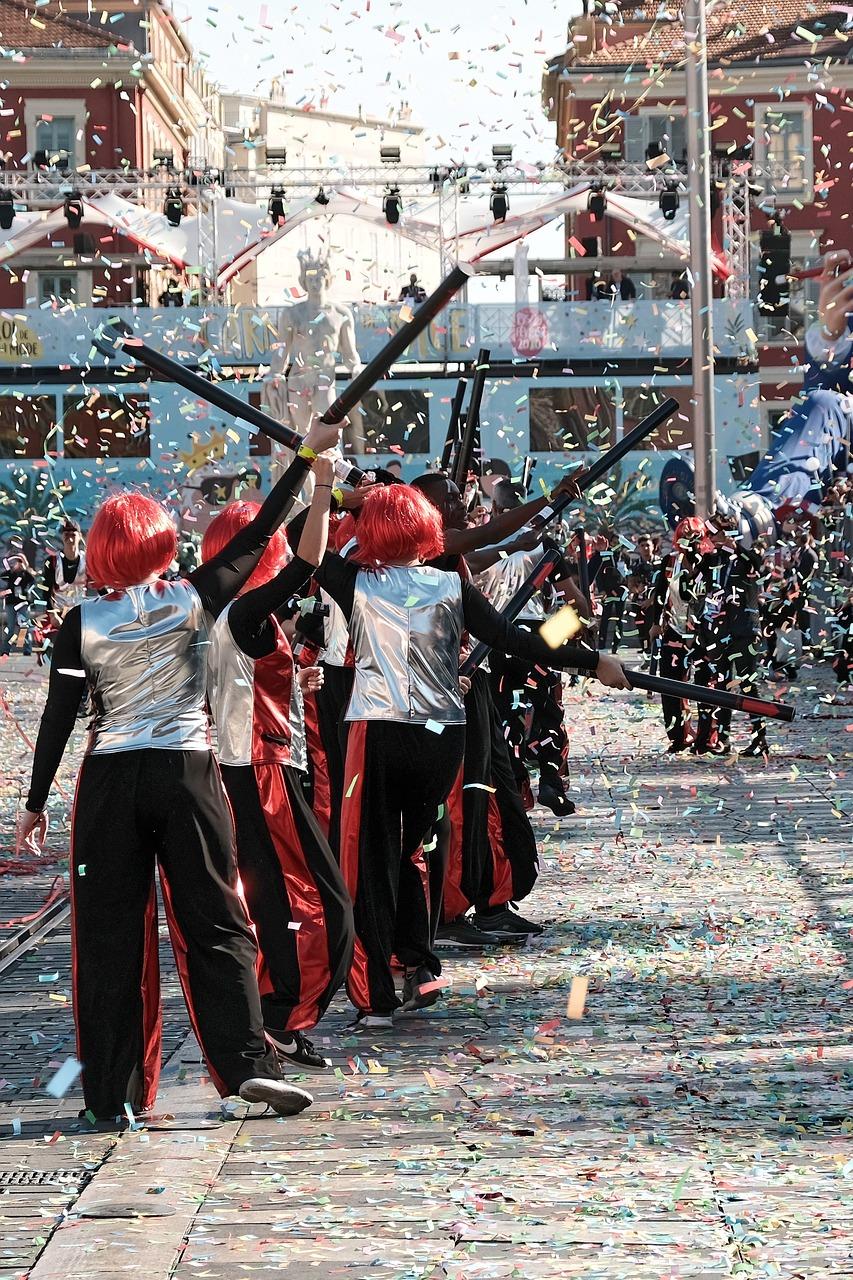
(285, 1099)
(373, 1021)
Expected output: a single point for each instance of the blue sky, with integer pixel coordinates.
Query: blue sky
(470, 71)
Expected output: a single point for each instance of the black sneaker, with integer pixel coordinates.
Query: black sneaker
(297, 1049)
(756, 750)
(367, 1021)
(413, 997)
(507, 923)
(285, 1099)
(555, 799)
(463, 932)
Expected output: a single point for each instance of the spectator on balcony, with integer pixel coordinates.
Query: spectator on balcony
(413, 292)
(622, 287)
(173, 294)
(598, 289)
(679, 288)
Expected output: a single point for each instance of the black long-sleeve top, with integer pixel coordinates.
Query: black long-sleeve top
(217, 582)
(338, 577)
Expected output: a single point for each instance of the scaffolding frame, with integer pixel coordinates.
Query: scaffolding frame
(202, 185)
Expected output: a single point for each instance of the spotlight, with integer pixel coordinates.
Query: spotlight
(392, 206)
(277, 155)
(165, 160)
(321, 197)
(668, 202)
(173, 206)
(655, 149)
(73, 209)
(501, 154)
(596, 203)
(7, 209)
(276, 206)
(499, 204)
(389, 155)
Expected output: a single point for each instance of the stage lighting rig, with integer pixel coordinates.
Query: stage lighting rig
(7, 209)
(73, 209)
(596, 203)
(173, 206)
(276, 207)
(499, 203)
(669, 202)
(392, 206)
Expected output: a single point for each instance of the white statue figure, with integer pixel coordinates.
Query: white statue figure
(315, 333)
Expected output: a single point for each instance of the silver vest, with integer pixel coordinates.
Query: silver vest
(406, 629)
(335, 633)
(500, 582)
(144, 652)
(253, 726)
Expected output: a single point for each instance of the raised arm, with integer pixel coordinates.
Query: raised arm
(250, 616)
(488, 625)
(219, 579)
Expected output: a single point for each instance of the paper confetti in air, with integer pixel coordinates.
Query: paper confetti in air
(63, 1079)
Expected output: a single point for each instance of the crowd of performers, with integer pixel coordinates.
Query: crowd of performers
(283, 733)
(271, 905)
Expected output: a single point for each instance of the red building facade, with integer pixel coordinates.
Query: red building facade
(111, 91)
(780, 83)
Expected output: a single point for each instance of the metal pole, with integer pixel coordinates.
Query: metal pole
(701, 294)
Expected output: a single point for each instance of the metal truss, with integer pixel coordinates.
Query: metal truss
(201, 184)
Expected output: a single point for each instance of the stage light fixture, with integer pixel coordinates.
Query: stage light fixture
(392, 206)
(165, 160)
(321, 197)
(73, 209)
(173, 206)
(596, 203)
(499, 203)
(389, 155)
(7, 209)
(668, 202)
(276, 207)
(501, 154)
(277, 155)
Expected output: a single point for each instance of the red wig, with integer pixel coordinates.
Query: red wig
(397, 525)
(132, 538)
(230, 521)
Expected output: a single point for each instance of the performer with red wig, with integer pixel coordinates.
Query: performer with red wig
(406, 738)
(149, 791)
(294, 890)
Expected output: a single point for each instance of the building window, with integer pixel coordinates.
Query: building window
(666, 129)
(56, 126)
(56, 137)
(785, 150)
(27, 424)
(675, 433)
(395, 420)
(60, 286)
(565, 419)
(101, 425)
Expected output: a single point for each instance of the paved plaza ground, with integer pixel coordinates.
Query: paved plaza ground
(694, 1122)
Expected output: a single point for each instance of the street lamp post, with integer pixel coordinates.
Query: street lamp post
(701, 294)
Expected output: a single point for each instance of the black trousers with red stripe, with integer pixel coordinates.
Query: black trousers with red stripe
(492, 855)
(332, 701)
(396, 777)
(295, 892)
(134, 810)
(529, 702)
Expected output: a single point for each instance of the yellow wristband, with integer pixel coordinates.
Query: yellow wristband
(304, 451)
(338, 495)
